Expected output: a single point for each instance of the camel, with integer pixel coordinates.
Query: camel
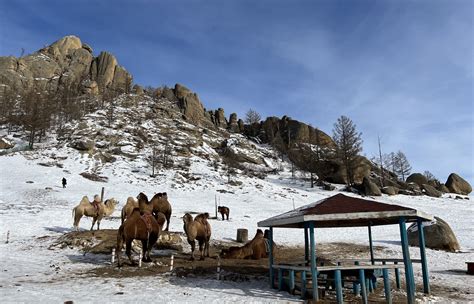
(138, 227)
(127, 210)
(223, 210)
(161, 204)
(96, 209)
(198, 229)
(256, 249)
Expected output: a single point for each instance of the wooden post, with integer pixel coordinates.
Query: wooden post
(424, 264)
(140, 258)
(409, 279)
(338, 283)
(242, 235)
(270, 255)
(102, 194)
(280, 279)
(386, 285)
(215, 203)
(314, 273)
(113, 256)
(291, 274)
(306, 247)
(303, 284)
(397, 276)
(363, 288)
(172, 262)
(371, 244)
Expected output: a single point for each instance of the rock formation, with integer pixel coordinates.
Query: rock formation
(457, 184)
(438, 235)
(66, 63)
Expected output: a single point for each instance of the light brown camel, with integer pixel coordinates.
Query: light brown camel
(138, 227)
(161, 204)
(127, 210)
(96, 209)
(256, 249)
(198, 229)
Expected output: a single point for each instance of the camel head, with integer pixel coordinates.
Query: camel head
(187, 218)
(111, 202)
(142, 197)
(259, 233)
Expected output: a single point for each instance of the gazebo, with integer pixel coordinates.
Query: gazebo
(346, 211)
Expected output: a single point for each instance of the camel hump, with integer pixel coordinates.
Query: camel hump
(85, 199)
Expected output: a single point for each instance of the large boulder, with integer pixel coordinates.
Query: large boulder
(390, 190)
(417, 178)
(233, 123)
(370, 188)
(103, 69)
(457, 184)
(442, 188)
(338, 171)
(431, 191)
(438, 235)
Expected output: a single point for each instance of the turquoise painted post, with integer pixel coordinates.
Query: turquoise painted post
(306, 247)
(363, 289)
(424, 264)
(338, 282)
(303, 284)
(356, 285)
(314, 273)
(397, 276)
(386, 285)
(292, 281)
(371, 245)
(270, 257)
(410, 280)
(280, 279)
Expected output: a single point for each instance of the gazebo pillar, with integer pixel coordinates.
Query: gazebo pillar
(424, 264)
(314, 273)
(409, 278)
(270, 256)
(306, 246)
(371, 244)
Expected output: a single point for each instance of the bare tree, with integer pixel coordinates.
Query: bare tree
(348, 145)
(252, 117)
(430, 176)
(402, 166)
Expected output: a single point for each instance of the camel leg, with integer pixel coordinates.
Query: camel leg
(206, 248)
(98, 224)
(168, 217)
(118, 250)
(222, 214)
(94, 219)
(128, 251)
(193, 246)
(201, 249)
(144, 250)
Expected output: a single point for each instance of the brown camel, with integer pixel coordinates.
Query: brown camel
(144, 204)
(139, 226)
(223, 210)
(161, 204)
(198, 229)
(256, 249)
(96, 209)
(127, 210)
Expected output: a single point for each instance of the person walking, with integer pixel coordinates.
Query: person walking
(64, 182)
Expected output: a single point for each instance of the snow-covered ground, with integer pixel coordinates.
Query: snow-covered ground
(29, 212)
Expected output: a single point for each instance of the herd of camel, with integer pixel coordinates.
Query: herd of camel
(144, 219)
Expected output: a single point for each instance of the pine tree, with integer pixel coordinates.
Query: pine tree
(401, 165)
(252, 117)
(348, 145)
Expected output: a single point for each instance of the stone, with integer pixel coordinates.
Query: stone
(442, 188)
(87, 48)
(456, 184)
(122, 80)
(337, 174)
(417, 178)
(431, 191)
(370, 188)
(103, 69)
(390, 190)
(137, 89)
(83, 144)
(233, 125)
(190, 105)
(438, 235)
(220, 120)
(6, 144)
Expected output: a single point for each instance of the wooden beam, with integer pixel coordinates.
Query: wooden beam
(371, 245)
(270, 256)
(424, 264)
(409, 278)
(314, 273)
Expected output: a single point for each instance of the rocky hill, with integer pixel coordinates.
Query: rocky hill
(170, 126)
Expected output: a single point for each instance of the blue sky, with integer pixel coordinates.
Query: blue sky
(401, 70)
